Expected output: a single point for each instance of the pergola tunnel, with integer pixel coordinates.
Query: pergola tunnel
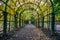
(44, 14)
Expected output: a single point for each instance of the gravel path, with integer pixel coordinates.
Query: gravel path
(30, 32)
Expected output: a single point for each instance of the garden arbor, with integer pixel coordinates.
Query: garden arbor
(12, 10)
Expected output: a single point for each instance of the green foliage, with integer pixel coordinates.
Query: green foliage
(57, 8)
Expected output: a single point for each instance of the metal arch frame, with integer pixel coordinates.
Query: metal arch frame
(5, 20)
(53, 18)
(31, 9)
(22, 5)
(31, 3)
(53, 15)
(28, 9)
(28, 3)
(22, 20)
